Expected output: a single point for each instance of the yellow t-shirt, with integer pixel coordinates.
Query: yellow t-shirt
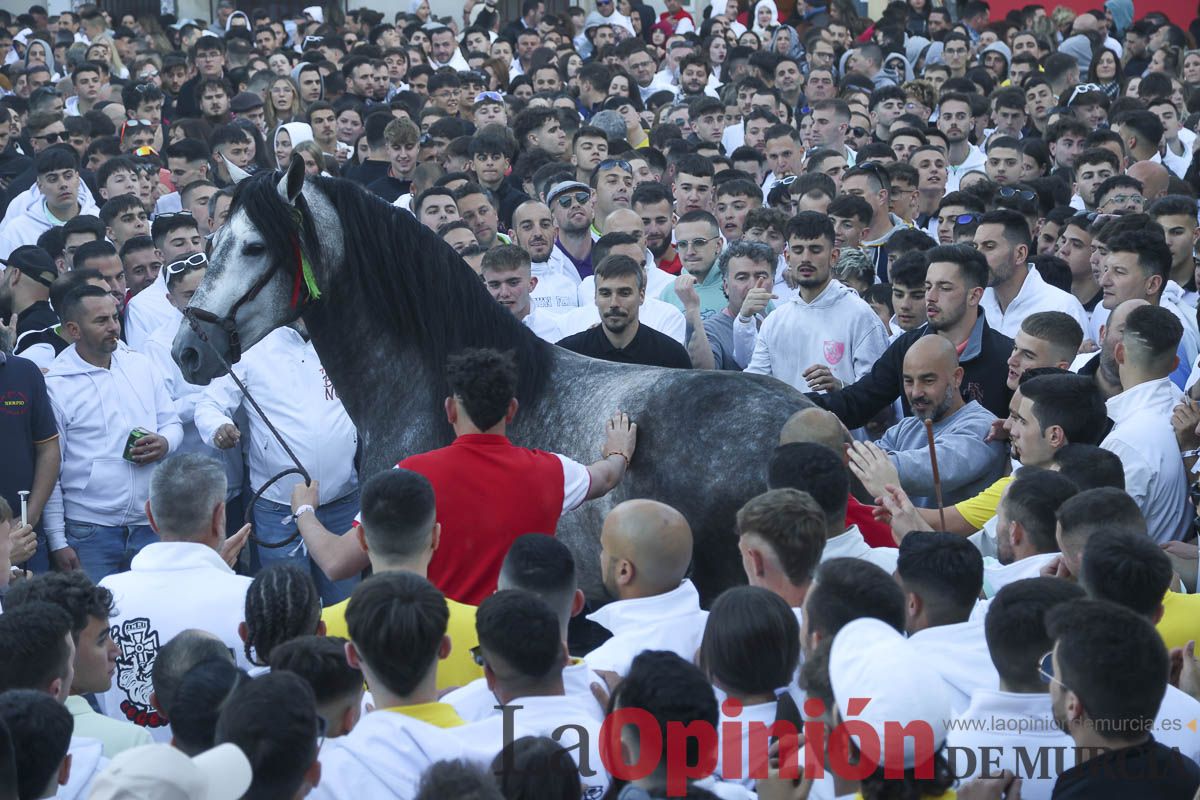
(1180, 623)
(458, 669)
(442, 715)
(982, 507)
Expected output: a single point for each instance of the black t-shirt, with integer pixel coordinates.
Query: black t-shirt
(649, 347)
(26, 418)
(389, 188)
(1150, 771)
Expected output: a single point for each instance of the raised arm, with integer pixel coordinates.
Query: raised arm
(619, 443)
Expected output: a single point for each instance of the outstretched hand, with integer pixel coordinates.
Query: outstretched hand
(871, 465)
(903, 515)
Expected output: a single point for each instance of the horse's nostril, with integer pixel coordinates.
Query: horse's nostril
(189, 359)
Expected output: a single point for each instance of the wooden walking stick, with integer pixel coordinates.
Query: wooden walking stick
(937, 479)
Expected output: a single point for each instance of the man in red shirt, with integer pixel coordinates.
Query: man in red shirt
(488, 490)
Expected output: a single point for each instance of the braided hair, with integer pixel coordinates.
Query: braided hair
(281, 604)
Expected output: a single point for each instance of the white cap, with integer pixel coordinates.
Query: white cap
(164, 773)
(316, 12)
(872, 660)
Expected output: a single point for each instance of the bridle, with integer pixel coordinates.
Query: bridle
(304, 292)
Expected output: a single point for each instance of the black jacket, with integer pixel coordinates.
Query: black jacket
(985, 376)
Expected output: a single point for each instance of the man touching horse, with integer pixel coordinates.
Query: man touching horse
(488, 490)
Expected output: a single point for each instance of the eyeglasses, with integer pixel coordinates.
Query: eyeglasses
(143, 88)
(788, 181)
(1008, 193)
(1083, 88)
(1045, 668)
(51, 138)
(694, 244)
(1126, 198)
(580, 197)
(169, 214)
(194, 261)
(858, 131)
(145, 76)
(619, 163)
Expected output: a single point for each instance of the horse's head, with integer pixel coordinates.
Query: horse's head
(260, 274)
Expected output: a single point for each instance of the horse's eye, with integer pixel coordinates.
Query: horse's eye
(254, 249)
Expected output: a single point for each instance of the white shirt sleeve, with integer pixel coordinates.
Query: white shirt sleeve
(576, 482)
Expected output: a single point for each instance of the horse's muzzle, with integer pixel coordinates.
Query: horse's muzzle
(193, 351)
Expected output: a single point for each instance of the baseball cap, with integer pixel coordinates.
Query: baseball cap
(34, 262)
(562, 187)
(245, 101)
(871, 659)
(164, 773)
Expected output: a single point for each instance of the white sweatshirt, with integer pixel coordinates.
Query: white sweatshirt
(385, 755)
(170, 587)
(27, 218)
(837, 330)
(96, 409)
(285, 376)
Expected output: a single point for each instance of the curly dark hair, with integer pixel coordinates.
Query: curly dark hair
(485, 381)
(73, 592)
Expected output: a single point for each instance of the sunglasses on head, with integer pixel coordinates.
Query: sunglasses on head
(619, 163)
(580, 197)
(1083, 88)
(966, 219)
(194, 261)
(1008, 193)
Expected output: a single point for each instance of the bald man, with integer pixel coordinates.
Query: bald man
(534, 231)
(1103, 365)
(1154, 178)
(818, 426)
(967, 463)
(645, 551)
(625, 220)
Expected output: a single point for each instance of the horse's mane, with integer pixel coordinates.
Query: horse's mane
(400, 274)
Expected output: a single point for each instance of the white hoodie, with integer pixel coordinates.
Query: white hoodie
(672, 621)
(96, 408)
(837, 330)
(385, 755)
(27, 218)
(87, 761)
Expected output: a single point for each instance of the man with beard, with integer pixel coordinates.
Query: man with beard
(699, 242)
(1111, 726)
(652, 202)
(954, 284)
(955, 121)
(620, 292)
(967, 462)
(827, 335)
(534, 232)
(571, 204)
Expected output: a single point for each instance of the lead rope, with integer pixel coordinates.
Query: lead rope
(298, 469)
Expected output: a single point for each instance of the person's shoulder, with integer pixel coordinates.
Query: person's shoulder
(576, 339)
(18, 368)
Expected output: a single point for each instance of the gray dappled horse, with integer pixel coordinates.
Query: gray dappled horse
(395, 301)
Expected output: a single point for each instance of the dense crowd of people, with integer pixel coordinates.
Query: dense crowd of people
(970, 240)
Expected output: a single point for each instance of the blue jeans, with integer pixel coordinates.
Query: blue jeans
(337, 517)
(104, 550)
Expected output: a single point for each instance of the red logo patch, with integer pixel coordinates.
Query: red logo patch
(834, 352)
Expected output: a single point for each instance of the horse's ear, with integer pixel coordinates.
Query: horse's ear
(292, 181)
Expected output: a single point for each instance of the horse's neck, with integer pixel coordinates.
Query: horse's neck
(373, 378)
